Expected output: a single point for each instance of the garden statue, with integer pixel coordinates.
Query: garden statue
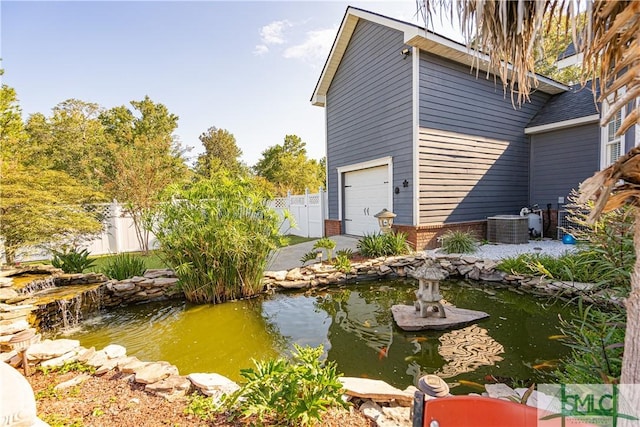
(428, 293)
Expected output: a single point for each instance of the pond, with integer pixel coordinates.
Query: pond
(356, 328)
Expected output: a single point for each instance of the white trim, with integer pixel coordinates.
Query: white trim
(563, 124)
(383, 161)
(415, 57)
(604, 136)
(570, 60)
(414, 36)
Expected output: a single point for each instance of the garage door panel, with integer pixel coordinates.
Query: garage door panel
(366, 193)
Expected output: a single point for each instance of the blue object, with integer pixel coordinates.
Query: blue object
(568, 239)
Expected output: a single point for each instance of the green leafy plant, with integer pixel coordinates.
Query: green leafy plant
(596, 339)
(309, 256)
(288, 392)
(55, 420)
(71, 260)
(378, 244)
(124, 266)
(458, 242)
(326, 243)
(347, 252)
(201, 406)
(217, 234)
(342, 263)
(75, 366)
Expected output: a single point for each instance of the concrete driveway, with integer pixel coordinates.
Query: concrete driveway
(289, 257)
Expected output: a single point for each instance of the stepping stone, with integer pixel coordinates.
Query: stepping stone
(376, 390)
(408, 319)
(48, 349)
(72, 382)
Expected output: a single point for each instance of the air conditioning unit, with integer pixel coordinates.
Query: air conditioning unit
(512, 229)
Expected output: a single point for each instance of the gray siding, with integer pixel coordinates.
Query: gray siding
(484, 153)
(460, 176)
(560, 160)
(369, 112)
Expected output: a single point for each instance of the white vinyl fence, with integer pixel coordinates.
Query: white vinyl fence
(308, 211)
(119, 234)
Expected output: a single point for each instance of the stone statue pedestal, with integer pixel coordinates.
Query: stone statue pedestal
(428, 312)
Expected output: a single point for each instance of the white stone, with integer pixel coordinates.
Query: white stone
(114, 351)
(395, 417)
(5, 282)
(155, 372)
(13, 327)
(6, 357)
(48, 349)
(73, 382)
(500, 391)
(371, 410)
(209, 384)
(60, 360)
(376, 390)
(97, 359)
(7, 293)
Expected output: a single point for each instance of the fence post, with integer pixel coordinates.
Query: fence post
(323, 216)
(115, 228)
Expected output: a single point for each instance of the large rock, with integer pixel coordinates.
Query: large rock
(171, 388)
(60, 360)
(7, 294)
(376, 390)
(48, 349)
(213, 384)
(155, 372)
(113, 351)
(13, 327)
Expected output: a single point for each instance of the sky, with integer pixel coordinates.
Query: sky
(247, 67)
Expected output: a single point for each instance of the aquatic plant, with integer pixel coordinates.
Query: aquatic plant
(217, 234)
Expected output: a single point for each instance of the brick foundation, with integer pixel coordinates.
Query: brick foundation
(332, 227)
(426, 236)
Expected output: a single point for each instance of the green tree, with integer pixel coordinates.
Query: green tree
(287, 167)
(39, 207)
(12, 135)
(555, 40)
(71, 140)
(146, 158)
(221, 151)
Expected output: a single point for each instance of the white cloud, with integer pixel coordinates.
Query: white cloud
(273, 33)
(260, 50)
(315, 46)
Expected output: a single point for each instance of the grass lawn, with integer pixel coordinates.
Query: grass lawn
(291, 239)
(150, 261)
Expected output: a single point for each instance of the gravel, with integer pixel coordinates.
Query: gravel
(499, 251)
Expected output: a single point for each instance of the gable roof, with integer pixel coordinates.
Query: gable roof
(414, 35)
(575, 106)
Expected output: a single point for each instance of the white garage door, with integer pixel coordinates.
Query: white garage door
(366, 192)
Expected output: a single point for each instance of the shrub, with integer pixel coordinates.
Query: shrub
(342, 263)
(326, 243)
(597, 342)
(346, 252)
(378, 244)
(285, 392)
(371, 245)
(217, 234)
(458, 242)
(309, 256)
(72, 260)
(124, 266)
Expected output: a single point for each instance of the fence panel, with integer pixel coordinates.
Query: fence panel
(307, 210)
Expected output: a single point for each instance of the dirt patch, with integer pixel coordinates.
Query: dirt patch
(113, 401)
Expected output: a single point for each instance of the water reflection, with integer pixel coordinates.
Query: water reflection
(467, 349)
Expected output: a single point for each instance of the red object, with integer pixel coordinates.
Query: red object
(474, 411)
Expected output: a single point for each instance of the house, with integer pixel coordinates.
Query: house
(411, 129)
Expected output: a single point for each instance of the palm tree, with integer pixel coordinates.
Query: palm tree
(507, 33)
